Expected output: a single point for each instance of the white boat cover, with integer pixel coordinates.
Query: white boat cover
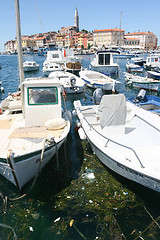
(112, 110)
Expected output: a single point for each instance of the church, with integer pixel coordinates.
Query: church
(72, 29)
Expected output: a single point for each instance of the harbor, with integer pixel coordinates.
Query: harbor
(84, 199)
(80, 133)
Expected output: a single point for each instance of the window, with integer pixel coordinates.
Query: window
(101, 59)
(42, 95)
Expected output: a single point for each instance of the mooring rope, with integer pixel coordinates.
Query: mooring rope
(7, 226)
(49, 142)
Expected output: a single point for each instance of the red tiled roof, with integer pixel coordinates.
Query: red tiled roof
(40, 38)
(139, 33)
(109, 30)
(128, 38)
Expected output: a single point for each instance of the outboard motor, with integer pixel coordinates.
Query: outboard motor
(73, 81)
(97, 96)
(141, 97)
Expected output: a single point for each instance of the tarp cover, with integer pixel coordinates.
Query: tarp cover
(112, 110)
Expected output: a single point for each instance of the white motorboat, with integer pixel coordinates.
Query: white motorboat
(103, 62)
(124, 137)
(29, 66)
(132, 67)
(32, 125)
(152, 62)
(95, 80)
(52, 67)
(69, 82)
(53, 62)
(42, 127)
(138, 60)
(142, 82)
(154, 74)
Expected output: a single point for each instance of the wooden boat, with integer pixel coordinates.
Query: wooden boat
(124, 137)
(95, 80)
(29, 66)
(32, 125)
(69, 82)
(142, 82)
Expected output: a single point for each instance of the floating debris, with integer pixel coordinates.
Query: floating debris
(57, 219)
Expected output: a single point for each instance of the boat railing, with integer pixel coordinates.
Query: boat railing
(110, 140)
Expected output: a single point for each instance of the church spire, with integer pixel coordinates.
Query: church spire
(76, 20)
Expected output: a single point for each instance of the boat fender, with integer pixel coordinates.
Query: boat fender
(81, 133)
(74, 113)
(73, 81)
(54, 124)
(2, 89)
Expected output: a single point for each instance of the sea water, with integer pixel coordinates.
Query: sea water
(84, 199)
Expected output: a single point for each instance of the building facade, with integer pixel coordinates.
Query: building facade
(147, 40)
(108, 37)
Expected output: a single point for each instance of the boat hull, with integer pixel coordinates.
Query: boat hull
(30, 69)
(124, 171)
(26, 167)
(109, 70)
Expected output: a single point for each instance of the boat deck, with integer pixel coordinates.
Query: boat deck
(21, 139)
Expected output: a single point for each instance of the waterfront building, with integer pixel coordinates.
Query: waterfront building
(40, 41)
(108, 37)
(131, 42)
(147, 40)
(9, 46)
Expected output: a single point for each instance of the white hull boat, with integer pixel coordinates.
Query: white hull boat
(52, 67)
(95, 80)
(29, 66)
(142, 82)
(124, 137)
(103, 62)
(32, 124)
(152, 62)
(32, 138)
(131, 67)
(69, 82)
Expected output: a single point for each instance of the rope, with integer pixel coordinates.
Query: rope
(7, 226)
(49, 142)
(38, 15)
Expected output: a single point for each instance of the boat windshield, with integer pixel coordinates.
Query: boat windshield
(104, 59)
(42, 96)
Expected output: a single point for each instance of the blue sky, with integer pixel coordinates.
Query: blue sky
(137, 15)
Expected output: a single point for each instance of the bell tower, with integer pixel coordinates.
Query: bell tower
(76, 20)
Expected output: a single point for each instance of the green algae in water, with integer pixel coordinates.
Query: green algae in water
(94, 205)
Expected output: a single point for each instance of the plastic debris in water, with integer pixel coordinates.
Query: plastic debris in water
(35, 215)
(90, 176)
(57, 219)
(71, 223)
(31, 229)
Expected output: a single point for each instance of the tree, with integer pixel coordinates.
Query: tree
(85, 31)
(82, 47)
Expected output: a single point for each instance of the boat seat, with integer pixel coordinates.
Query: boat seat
(86, 110)
(15, 105)
(112, 113)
